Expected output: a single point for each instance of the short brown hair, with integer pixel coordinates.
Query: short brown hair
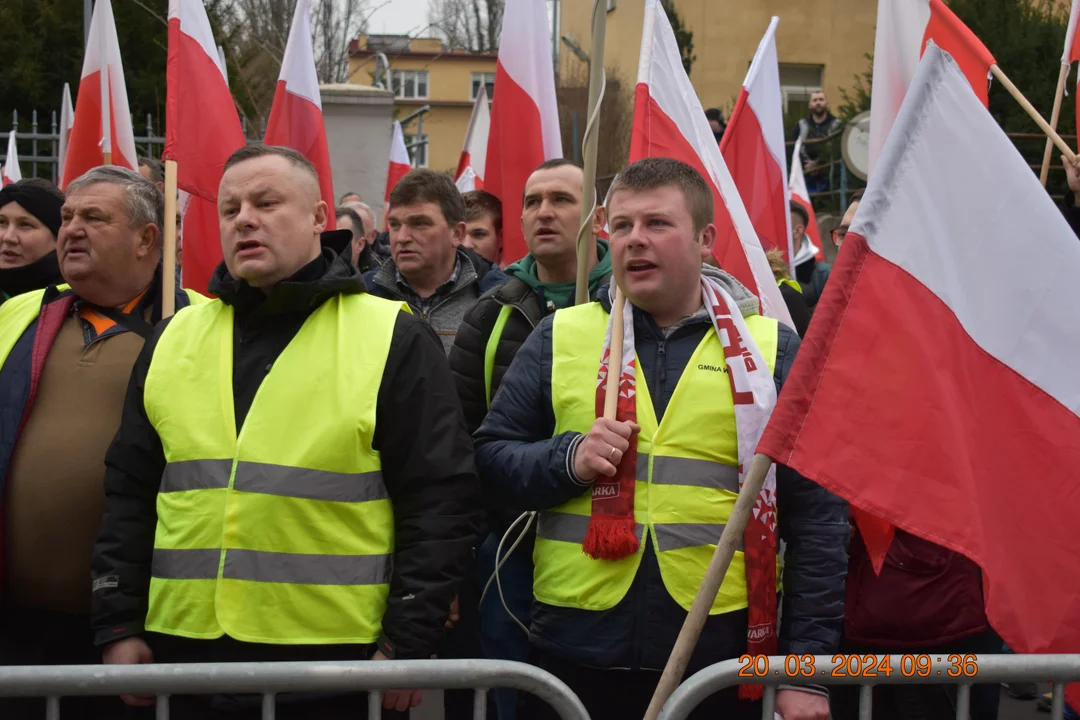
(429, 186)
(258, 150)
(653, 173)
(479, 203)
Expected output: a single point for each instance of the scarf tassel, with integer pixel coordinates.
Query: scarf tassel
(751, 692)
(610, 537)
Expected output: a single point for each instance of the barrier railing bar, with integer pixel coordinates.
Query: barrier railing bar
(768, 702)
(161, 707)
(480, 704)
(963, 701)
(374, 705)
(52, 708)
(933, 669)
(1057, 704)
(866, 702)
(269, 708)
(256, 678)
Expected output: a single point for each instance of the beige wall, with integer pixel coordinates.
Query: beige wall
(449, 90)
(836, 34)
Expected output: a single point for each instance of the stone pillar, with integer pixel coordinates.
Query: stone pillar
(359, 122)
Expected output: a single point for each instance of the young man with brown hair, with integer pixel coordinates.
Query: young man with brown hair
(483, 224)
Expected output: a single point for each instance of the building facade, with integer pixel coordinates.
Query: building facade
(821, 44)
(422, 71)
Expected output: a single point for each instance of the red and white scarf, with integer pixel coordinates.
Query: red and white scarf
(610, 535)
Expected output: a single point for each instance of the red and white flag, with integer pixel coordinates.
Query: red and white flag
(470, 171)
(903, 29)
(67, 117)
(1072, 47)
(753, 148)
(11, 172)
(202, 129)
(524, 114)
(296, 119)
(935, 390)
(400, 164)
(102, 121)
(670, 122)
(799, 193)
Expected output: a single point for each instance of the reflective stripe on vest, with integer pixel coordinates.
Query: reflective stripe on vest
(492, 347)
(686, 482)
(283, 534)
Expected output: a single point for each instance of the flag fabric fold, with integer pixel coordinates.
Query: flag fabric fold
(753, 148)
(799, 193)
(67, 116)
(670, 122)
(202, 129)
(400, 163)
(296, 119)
(470, 170)
(903, 29)
(1071, 53)
(524, 115)
(934, 390)
(102, 122)
(11, 173)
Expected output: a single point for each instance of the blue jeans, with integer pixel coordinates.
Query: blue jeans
(501, 637)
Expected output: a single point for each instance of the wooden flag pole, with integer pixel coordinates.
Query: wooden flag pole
(614, 374)
(106, 158)
(168, 266)
(710, 584)
(589, 144)
(1055, 114)
(1032, 112)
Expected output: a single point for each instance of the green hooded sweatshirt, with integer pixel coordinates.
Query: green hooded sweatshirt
(559, 295)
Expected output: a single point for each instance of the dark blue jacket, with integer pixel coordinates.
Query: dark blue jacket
(522, 465)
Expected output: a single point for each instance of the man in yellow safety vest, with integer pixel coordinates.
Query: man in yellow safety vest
(629, 509)
(292, 478)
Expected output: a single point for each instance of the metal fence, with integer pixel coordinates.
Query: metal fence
(870, 670)
(271, 679)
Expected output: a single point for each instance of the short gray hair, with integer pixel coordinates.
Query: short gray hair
(144, 203)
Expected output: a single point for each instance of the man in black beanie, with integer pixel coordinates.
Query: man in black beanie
(29, 222)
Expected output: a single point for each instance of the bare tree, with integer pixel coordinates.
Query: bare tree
(470, 24)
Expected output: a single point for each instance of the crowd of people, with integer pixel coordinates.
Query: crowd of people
(323, 460)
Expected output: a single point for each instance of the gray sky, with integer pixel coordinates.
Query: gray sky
(406, 17)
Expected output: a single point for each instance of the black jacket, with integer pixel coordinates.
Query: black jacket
(427, 466)
(522, 464)
(1071, 212)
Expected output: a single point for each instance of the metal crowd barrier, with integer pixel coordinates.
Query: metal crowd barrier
(270, 679)
(870, 670)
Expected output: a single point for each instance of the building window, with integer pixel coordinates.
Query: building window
(797, 82)
(417, 146)
(409, 83)
(488, 80)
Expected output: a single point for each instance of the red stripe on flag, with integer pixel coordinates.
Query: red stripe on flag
(84, 143)
(757, 176)
(811, 227)
(201, 244)
(657, 135)
(956, 441)
(956, 38)
(463, 164)
(515, 149)
(297, 123)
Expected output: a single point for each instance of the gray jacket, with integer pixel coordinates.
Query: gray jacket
(445, 309)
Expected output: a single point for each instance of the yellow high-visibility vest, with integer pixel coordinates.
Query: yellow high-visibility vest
(19, 312)
(687, 473)
(284, 533)
(790, 283)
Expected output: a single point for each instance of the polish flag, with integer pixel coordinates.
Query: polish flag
(67, 116)
(799, 193)
(670, 122)
(11, 172)
(524, 114)
(400, 164)
(102, 121)
(1072, 48)
(903, 29)
(470, 171)
(202, 129)
(753, 148)
(296, 116)
(932, 393)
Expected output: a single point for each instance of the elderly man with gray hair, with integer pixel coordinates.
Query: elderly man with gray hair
(66, 354)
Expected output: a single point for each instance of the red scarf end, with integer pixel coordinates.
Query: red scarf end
(610, 537)
(751, 692)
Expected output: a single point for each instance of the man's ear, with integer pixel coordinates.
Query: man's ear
(599, 220)
(457, 233)
(150, 240)
(321, 215)
(708, 237)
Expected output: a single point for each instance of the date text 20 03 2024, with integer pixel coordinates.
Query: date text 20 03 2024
(859, 666)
